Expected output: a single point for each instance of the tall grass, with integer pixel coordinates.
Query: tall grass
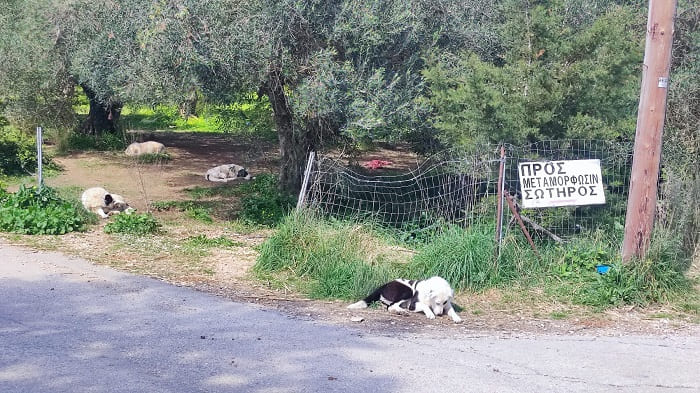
(347, 260)
(465, 258)
(341, 261)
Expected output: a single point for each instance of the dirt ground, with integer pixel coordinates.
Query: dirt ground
(225, 271)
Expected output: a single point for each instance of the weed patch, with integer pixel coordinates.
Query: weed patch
(39, 212)
(133, 224)
(263, 202)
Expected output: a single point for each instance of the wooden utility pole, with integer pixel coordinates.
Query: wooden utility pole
(641, 202)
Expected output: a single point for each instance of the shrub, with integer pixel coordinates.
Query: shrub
(134, 224)
(18, 152)
(39, 211)
(263, 202)
(103, 142)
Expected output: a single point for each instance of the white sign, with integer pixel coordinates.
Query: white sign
(561, 183)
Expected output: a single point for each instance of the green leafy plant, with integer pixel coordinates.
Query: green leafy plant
(39, 211)
(134, 224)
(200, 214)
(263, 202)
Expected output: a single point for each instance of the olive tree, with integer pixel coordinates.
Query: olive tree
(330, 68)
(35, 85)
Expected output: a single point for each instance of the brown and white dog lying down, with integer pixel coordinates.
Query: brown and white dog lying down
(226, 173)
(432, 297)
(141, 148)
(103, 203)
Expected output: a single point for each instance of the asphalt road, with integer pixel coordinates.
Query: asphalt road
(69, 326)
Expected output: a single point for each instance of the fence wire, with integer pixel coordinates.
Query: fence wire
(460, 187)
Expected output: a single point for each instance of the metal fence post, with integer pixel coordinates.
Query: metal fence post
(39, 157)
(499, 208)
(305, 183)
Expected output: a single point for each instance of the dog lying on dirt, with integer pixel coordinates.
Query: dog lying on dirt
(432, 296)
(104, 204)
(148, 147)
(226, 173)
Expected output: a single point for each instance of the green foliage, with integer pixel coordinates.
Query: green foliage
(248, 115)
(348, 260)
(202, 241)
(465, 258)
(35, 86)
(337, 260)
(551, 80)
(193, 209)
(77, 141)
(200, 214)
(133, 224)
(263, 202)
(17, 152)
(582, 255)
(39, 212)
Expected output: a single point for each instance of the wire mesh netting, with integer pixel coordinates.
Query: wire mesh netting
(446, 187)
(460, 187)
(615, 164)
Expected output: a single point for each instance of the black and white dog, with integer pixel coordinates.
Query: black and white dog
(103, 203)
(432, 296)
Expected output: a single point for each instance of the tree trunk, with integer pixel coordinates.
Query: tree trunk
(294, 144)
(188, 106)
(101, 117)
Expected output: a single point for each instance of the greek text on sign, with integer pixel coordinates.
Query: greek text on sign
(561, 183)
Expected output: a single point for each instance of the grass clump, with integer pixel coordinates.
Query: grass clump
(463, 257)
(133, 224)
(192, 209)
(202, 241)
(659, 277)
(39, 211)
(337, 261)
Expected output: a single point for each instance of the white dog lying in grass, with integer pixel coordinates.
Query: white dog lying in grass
(226, 173)
(104, 204)
(149, 147)
(432, 297)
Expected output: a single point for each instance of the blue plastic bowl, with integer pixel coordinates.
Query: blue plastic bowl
(602, 269)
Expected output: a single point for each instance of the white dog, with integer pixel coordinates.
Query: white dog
(149, 147)
(102, 203)
(432, 296)
(227, 173)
